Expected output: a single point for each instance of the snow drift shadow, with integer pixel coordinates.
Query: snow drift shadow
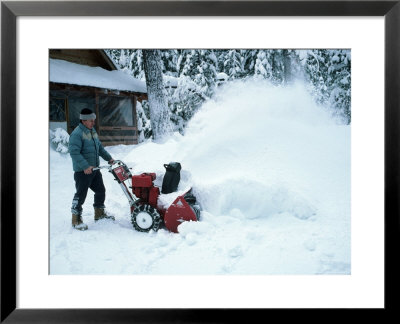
(249, 199)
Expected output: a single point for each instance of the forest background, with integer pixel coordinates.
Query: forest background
(191, 77)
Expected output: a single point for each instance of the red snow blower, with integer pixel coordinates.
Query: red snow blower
(146, 213)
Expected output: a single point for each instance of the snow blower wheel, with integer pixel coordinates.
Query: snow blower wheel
(145, 218)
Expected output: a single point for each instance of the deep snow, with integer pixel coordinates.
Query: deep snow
(271, 171)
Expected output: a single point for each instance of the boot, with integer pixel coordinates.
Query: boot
(77, 223)
(100, 213)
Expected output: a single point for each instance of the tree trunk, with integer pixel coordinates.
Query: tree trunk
(159, 112)
(287, 67)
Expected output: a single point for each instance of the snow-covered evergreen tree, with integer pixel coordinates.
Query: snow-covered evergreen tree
(184, 99)
(329, 76)
(201, 67)
(231, 63)
(339, 83)
(248, 61)
(136, 64)
(171, 62)
(144, 125)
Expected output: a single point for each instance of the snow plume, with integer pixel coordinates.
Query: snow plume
(259, 150)
(258, 101)
(255, 141)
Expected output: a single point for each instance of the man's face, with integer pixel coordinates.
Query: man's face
(88, 123)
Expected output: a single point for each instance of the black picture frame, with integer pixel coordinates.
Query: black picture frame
(10, 10)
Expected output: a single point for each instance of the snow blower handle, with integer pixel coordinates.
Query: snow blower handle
(121, 174)
(101, 167)
(109, 166)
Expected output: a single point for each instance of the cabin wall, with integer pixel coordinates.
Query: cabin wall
(116, 121)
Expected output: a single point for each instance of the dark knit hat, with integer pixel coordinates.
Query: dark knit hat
(87, 114)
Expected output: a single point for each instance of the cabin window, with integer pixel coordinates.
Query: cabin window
(76, 102)
(116, 111)
(57, 109)
(58, 106)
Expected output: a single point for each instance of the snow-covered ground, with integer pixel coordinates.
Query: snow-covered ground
(271, 171)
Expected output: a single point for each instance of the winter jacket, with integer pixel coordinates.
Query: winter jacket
(85, 148)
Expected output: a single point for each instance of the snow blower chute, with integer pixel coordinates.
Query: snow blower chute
(142, 194)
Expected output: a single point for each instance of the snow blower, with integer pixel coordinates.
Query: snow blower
(146, 213)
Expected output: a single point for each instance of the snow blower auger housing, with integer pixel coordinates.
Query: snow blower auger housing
(143, 195)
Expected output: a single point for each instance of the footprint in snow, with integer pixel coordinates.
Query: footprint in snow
(334, 267)
(236, 252)
(310, 245)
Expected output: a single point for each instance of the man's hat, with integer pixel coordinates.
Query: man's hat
(87, 114)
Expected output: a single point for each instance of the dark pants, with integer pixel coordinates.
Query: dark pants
(83, 182)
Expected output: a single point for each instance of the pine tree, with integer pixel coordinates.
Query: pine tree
(170, 60)
(201, 67)
(144, 124)
(136, 64)
(270, 65)
(231, 63)
(339, 83)
(329, 76)
(248, 61)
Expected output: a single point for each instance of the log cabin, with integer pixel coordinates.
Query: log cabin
(80, 78)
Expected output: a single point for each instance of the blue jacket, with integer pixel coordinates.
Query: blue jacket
(85, 148)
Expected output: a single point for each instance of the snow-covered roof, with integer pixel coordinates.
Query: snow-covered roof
(72, 73)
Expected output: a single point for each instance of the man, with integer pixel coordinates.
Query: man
(85, 149)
